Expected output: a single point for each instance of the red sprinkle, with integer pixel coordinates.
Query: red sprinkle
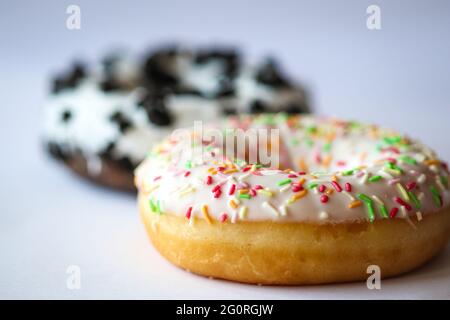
(322, 188)
(391, 160)
(336, 186)
(223, 217)
(403, 203)
(258, 187)
(209, 180)
(341, 163)
(187, 173)
(157, 178)
(324, 198)
(220, 168)
(217, 193)
(348, 187)
(188, 213)
(318, 158)
(252, 192)
(411, 185)
(301, 173)
(297, 188)
(246, 169)
(393, 212)
(232, 189)
(217, 187)
(291, 175)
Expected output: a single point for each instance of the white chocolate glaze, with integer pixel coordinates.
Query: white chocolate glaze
(339, 172)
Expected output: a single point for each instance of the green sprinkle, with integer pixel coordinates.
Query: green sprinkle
(283, 182)
(415, 200)
(188, 164)
(309, 142)
(375, 178)
(312, 185)
(408, 160)
(436, 196)
(311, 129)
(327, 147)
(259, 166)
(392, 140)
(370, 211)
(364, 198)
(294, 141)
(393, 167)
(348, 172)
(152, 205)
(384, 211)
(444, 181)
(244, 196)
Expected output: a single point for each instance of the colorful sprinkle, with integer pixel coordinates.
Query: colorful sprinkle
(375, 178)
(284, 182)
(205, 213)
(336, 186)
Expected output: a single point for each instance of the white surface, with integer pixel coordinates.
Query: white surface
(398, 77)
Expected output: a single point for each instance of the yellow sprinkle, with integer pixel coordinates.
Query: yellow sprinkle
(230, 171)
(334, 178)
(243, 212)
(354, 204)
(298, 196)
(186, 191)
(206, 214)
(402, 191)
(265, 192)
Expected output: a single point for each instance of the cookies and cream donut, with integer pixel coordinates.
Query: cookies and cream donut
(345, 196)
(102, 119)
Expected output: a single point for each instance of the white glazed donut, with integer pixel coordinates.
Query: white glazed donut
(101, 120)
(346, 196)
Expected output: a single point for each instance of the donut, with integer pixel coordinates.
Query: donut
(101, 119)
(343, 196)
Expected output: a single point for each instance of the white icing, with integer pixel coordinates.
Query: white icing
(174, 153)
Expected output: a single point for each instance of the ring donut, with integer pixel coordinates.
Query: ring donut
(345, 196)
(101, 119)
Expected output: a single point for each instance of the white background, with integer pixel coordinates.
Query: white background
(398, 76)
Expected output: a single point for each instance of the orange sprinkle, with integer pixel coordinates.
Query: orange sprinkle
(299, 195)
(302, 164)
(334, 178)
(233, 204)
(362, 156)
(301, 181)
(431, 162)
(327, 160)
(242, 191)
(354, 204)
(329, 191)
(206, 214)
